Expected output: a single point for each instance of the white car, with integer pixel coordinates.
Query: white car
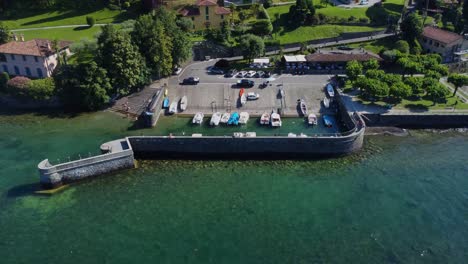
(252, 96)
(177, 71)
(250, 74)
(241, 74)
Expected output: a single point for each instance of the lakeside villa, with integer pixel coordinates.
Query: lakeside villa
(35, 58)
(205, 14)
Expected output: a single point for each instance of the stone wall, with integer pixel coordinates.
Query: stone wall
(417, 120)
(55, 175)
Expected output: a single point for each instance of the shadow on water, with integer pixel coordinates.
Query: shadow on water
(50, 113)
(23, 190)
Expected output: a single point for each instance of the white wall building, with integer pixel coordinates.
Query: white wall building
(34, 58)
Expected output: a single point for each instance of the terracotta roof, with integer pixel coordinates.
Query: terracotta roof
(206, 3)
(35, 47)
(340, 57)
(222, 11)
(189, 11)
(440, 35)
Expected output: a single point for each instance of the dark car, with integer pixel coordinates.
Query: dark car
(344, 48)
(266, 74)
(245, 83)
(214, 70)
(191, 80)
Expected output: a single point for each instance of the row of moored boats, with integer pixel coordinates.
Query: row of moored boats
(176, 105)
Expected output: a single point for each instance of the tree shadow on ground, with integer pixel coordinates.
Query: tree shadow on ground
(418, 108)
(81, 28)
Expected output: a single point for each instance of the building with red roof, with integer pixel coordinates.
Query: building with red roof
(35, 58)
(443, 42)
(206, 14)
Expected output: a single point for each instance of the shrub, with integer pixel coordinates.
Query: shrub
(402, 46)
(18, 86)
(364, 20)
(41, 89)
(4, 78)
(267, 3)
(113, 7)
(351, 18)
(90, 21)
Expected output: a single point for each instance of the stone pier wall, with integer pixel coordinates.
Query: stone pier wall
(117, 158)
(417, 120)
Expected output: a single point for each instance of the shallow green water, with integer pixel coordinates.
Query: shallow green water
(400, 200)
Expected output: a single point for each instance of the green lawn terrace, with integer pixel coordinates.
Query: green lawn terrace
(286, 35)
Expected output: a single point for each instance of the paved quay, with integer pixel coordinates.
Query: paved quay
(215, 93)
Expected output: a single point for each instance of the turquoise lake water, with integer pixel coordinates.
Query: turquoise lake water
(400, 200)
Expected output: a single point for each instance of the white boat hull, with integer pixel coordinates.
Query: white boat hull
(215, 119)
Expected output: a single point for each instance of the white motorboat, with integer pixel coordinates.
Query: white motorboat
(243, 99)
(183, 103)
(198, 118)
(265, 119)
(275, 120)
(173, 107)
(312, 119)
(326, 102)
(225, 118)
(215, 119)
(292, 135)
(244, 117)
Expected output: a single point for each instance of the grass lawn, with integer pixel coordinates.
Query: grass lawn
(72, 34)
(303, 34)
(61, 18)
(378, 45)
(423, 104)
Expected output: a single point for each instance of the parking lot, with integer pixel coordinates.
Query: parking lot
(218, 93)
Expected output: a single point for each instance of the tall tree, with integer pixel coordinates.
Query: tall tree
(434, 89)
(83, 86)
(5, 34)
(411, 27)
(155, 45)
(353, 70)
(125, 66)
(252, 46)
(458, 80)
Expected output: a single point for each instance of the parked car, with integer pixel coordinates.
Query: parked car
(245, 83)
(344, 48)
(177, 71)
(267, 74)
(252, 96)
(241, 74)
(259, 74)
(191, 80)
(250, 74)
(230, 73)
(215, 70)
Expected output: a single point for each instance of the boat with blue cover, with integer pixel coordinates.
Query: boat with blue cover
(166, 102)
(327, 121)
(330, 90)
(234, 119)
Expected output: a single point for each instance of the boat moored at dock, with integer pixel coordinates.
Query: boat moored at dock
(265, 119)
(275, 120)
(198, 118)
(225, 118)
(327, 121)
(183, 103)
(166, 102)
(330, 90)
(215, 119)
(233, 119)
(243, 118)
(312, 119)
(173, 108)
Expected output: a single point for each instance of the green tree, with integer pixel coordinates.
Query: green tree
(409, 66)
(390, 79)
(411, 27)
(441, 69)
(82, 87)
(310, 7)
(185, 24)
(375, 74)
(156, 46)
(262, 27)
(400, 90)
(5, 34)
(181, 44)
(371, 64)
(41, 89)
(125, 66)
(267, 3)
(372, 87)
(90, 21)
(458, 80)
(434, 90)
(402, 46)
(4, 78)
(353, 70)
(252, 46)
(465, 12)
(415, 83)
